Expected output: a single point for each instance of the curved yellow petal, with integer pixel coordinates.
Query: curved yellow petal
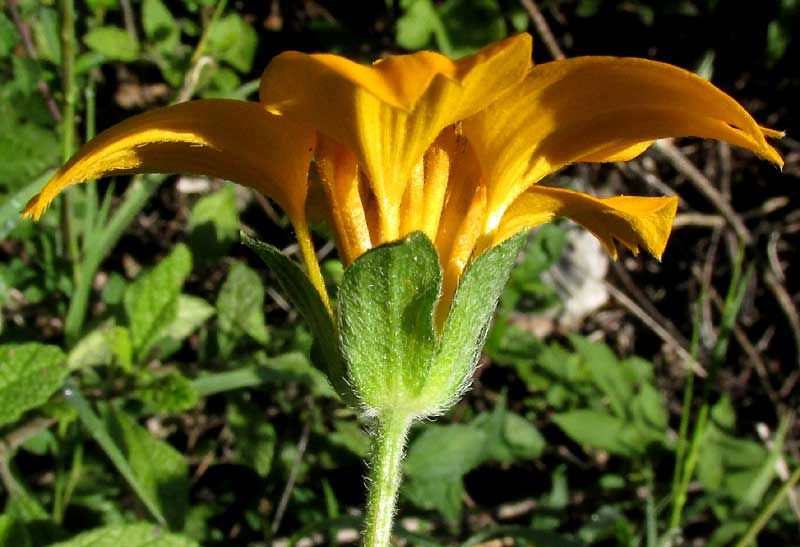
(234, 140)
(634, 221)
(389, 113)
(598, 109)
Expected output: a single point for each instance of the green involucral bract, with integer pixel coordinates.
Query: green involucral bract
(388, 356)
(326, 354)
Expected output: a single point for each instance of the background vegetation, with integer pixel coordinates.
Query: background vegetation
(155, 389)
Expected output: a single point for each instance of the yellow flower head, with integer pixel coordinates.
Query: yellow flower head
(423, 143)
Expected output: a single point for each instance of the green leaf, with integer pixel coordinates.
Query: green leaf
(9, 37)
(350, 435)
(510, 437)
(192, 312)
(254, 437)
(600, 430)
(47, 35)
(27, 150)
(649, 412)
(128, 535)
(417, 25)
(14, 203)
(240, 309)
(214, 224)
(112, 42)
(161, 471)
(293, 281)
(436, 463)
(471, 24)
(385, 317)
(521, 439)
(13, 533)
(159, 24)
(468, 322)
(778, 39)
(151, 301)
(232, 40)
(172, 392)
(29, 374)
(279, 370)
(105, 345)
(107, 439)
(607, 373)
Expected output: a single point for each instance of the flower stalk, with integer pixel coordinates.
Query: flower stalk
(385, 473)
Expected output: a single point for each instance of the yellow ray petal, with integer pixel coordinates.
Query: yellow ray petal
(461, 251)
(634, 221)
(389, 113)
(338, 173)
(598, 109)
(234, 140)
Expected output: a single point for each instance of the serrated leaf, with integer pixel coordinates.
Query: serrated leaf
(599, 430)
(293, 281)
(240, 309)
(232, 40)
(214, 224)
(29, 374)
(160, 470)
(128, 535)
(385, 319)
(114, 43)
(151, 301)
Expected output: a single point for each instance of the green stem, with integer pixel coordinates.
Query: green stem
(68, 125)
(388, 449)
(135, 198)
(761, 520)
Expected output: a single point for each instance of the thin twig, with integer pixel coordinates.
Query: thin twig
(14, 440)
(688, 169)
(787, 306)
(543, 29)
(30, 51)
(753, 355)
(645, 303)
(698, 220)
(302, 444)
(129, 20)
(657, 329)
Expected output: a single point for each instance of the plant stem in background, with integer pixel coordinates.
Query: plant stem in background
(386, 460)
(761, 520)
(135, 197)
(68, 127)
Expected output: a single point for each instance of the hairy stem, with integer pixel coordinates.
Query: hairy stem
(388, 449)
